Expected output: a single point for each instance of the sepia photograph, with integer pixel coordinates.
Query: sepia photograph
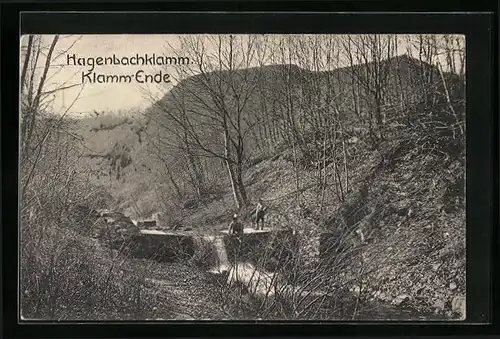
(267, 177)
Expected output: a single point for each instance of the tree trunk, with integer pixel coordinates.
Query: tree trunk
(198, 176)
(234, 185)
(241, 187)
(232, 177)
(175, 185)
(26, 61)
(36, 102)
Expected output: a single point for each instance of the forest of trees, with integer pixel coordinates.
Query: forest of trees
(327, 104)
(249, 96)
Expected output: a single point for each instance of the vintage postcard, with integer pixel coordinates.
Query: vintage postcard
(242, 177)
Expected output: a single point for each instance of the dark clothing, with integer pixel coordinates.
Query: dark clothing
(236, 227)
(260, 212)
(259, 208)
(260, 216)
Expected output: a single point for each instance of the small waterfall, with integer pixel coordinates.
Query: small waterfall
(258, 282)
(266, 284)
(223, 264)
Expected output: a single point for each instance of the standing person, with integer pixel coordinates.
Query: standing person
(260, 212)
(235, 227)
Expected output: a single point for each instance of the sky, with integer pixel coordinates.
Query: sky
(99, 96)
(82, 99)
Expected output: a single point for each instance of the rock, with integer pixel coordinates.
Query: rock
(458, 305)
(355, 290)
(453, 286)
(386, 297)
(400, 299)
(381, 296)
(117, 229)
(439, 304)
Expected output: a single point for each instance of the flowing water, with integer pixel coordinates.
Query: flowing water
(257, 282)
(223, 264)
(264, 284)
(268, 285)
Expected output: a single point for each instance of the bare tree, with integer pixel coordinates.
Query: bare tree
(211, 123)
(368, 56)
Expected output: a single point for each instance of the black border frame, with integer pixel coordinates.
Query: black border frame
(481, 151)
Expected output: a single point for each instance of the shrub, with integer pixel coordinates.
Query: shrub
(67, 276)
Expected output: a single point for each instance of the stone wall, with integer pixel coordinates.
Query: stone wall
(148, 224)
(269, 250)
(162, 246)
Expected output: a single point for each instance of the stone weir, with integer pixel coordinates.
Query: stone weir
(255, 261)
(269, 249)
(266, 248)
(162, 246)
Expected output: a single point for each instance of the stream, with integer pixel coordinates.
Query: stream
(267, 285)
